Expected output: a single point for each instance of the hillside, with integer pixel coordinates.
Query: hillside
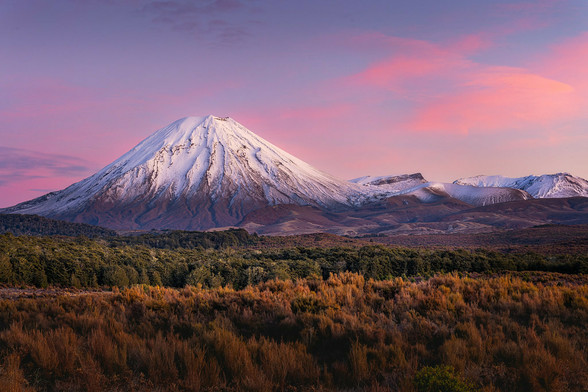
(19, 224)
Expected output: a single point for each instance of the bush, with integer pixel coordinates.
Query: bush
(440, 379)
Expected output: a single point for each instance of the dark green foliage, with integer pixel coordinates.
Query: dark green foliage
(35, 225)
(18, 224)
(440, 379)
(190, 239)
(88, 262)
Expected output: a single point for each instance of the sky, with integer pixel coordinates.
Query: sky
(446, 88)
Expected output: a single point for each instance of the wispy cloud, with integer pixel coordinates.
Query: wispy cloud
(17, 165)
(453, 93)
(529, 6)
(220, 21)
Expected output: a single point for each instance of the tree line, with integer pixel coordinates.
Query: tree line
(162, 261)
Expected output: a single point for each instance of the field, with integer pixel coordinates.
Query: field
(233, 312)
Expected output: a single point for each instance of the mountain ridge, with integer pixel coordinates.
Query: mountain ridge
(200, 173)
(428, 191)
(556, 185)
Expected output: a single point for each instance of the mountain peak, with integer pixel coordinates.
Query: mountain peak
(542, 186)
(193, 127)
(195, 173)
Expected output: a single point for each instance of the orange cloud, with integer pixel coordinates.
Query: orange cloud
(507, 102)
(452, 93)
(497, 99)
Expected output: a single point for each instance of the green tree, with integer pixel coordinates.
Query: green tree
(115, 276)
(440, 379)
(5, 269)
(39, 278)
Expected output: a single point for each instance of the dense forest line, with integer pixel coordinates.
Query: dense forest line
(34, 225)
(445, 333)
(124, 261)
(175, 239)
(20, 224)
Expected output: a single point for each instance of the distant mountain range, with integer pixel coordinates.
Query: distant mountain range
(545, 186)
(208, 172)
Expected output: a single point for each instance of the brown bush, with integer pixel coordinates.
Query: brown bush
(500, 333)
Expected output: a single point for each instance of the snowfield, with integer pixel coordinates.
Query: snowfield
(540, 187)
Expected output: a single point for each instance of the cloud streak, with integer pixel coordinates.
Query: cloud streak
(26, 174)
(19, 165)
(213, 19)
(451, 93)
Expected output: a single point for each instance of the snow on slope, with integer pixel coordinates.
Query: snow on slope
(416, 185)
(195, 164)
(392, 183)
(544, 186)
(432, 191)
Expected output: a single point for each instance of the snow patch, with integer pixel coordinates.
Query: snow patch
(543, 186)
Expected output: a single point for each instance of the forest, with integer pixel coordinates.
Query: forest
(221, 259)
(231, 311)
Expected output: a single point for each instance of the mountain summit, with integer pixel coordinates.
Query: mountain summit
(196, 173)
(544, 186)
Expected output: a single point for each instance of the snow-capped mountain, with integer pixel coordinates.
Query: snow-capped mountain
(427, 192)
(433, 191)
(544, 186)
(204, 172)
(196, 173)
(392, 183)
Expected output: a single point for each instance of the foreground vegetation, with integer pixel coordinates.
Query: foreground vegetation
(230, 311)
(347, 332)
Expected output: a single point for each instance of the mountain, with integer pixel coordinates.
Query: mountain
(406, 214)
(201, 173)
(544, 186)
(196, 173)
(427, 192)
(475, 196)
(392, 183)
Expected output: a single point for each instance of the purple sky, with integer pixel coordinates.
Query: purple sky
(447, 88)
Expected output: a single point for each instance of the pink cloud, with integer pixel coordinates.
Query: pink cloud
(567, 61)
(471, 43)
(441, 89)
(550, 140)
(451, 93)
(411, 65)
(394, 72)
(497, 99)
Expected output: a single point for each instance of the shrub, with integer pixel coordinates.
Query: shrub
(440, 379)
